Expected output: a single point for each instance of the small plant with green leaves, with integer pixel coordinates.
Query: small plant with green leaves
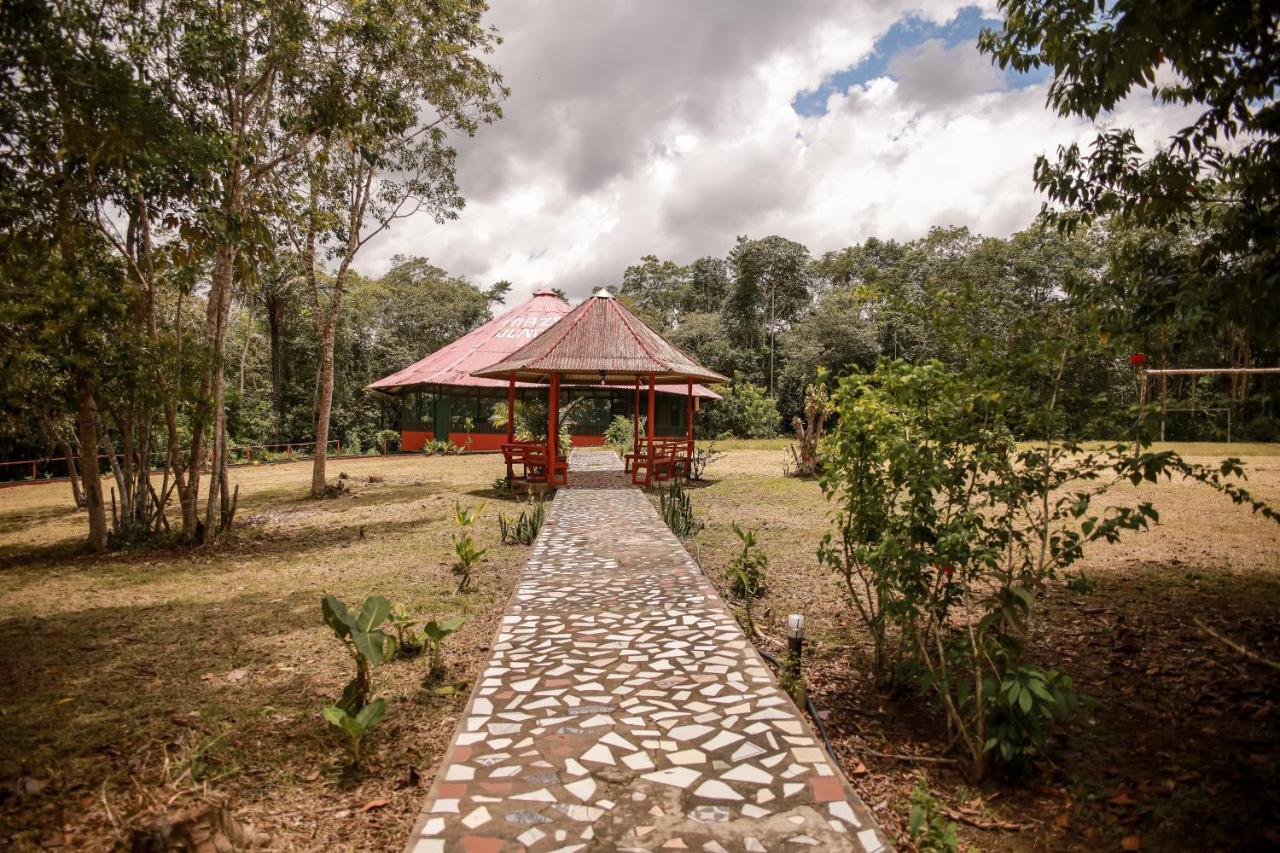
(402, 622)
(677, 511)
(1080, 583)
(355, 727)
(364, 639)
(434, 633)
(523, 530)
(746, 574)
(927, 823)
(503, 487)
(466, 551)
(703, 455)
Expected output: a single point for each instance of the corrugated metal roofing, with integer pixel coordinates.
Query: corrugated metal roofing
(600, 340)
(454, 364)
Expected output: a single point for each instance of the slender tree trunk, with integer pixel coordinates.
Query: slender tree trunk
(324, 403)
(215, 384)
(244, 351)
(275, 322)
(87, 421)
(73, 474)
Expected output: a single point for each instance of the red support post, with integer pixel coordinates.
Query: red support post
(553, 428)
(648, 474)
(691, 411)
(511, 420)
(635, 419)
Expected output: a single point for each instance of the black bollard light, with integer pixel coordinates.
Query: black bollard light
(794, 682)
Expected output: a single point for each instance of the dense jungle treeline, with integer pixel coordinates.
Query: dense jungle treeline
(768, 314)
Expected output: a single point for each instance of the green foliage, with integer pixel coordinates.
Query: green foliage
(532, 416)
(1020, 705)
(403, 623)
(464, 546)
(524, 529)
(944, 532)
(356, 726)
(364, 639)
(928, 825)
(619, 433)
(362, 634)
(744, 411)
(677, 511)
(1080, 583)
(746, 573)
(434, 633)
(388, 439)
(1217, 180)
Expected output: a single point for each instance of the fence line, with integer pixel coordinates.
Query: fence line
(294, 451)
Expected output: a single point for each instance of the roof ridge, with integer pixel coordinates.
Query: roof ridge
(640, 340)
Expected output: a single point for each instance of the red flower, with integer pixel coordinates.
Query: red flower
(1138, 358)
(947, 570)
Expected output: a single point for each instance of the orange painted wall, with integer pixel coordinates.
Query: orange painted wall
(413, 440)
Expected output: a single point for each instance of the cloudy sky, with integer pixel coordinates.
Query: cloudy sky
(671, 128)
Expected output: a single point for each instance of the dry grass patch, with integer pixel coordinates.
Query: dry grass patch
(147, 681)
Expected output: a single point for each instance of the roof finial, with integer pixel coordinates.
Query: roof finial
(603, 293)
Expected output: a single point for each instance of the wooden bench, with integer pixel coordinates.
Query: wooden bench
(659, 466)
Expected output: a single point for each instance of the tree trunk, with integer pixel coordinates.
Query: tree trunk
(275, 322)
(73, 474)
(215, 383)
(324, 401)
(87, 424)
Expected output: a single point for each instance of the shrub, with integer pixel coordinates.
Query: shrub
(388, 438)
(744, 411)
(945, 531)
(620, 432)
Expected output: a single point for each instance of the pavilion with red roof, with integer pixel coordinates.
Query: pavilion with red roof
(442, 398)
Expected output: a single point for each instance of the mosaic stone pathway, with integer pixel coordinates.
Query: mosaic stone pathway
(624, 709)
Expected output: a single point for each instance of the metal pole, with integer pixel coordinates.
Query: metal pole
(795, 653)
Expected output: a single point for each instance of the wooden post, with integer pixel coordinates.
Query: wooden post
(648, 474)
(553, 428)
(690, 398)
(635, 419)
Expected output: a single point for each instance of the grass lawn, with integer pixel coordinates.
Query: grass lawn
(150, 681)
(1178, 743)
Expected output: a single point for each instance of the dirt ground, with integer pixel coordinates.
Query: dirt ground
(152, 681)
(1178, 746)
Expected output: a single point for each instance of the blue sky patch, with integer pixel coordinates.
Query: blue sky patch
(905, 34)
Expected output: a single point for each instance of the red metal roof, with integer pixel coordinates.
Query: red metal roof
(454, 364)
(599, 341)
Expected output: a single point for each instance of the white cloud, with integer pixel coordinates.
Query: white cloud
(668, 129)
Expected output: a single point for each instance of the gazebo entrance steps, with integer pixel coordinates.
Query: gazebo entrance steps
(623, 708)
